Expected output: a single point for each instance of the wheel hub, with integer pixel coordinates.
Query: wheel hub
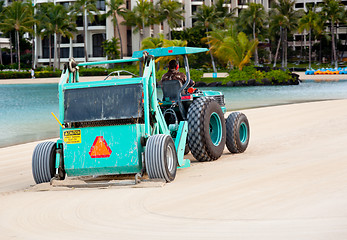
(243, 132)
(215, 129)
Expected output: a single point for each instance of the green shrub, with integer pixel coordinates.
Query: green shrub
(14, 74)
(92, 71)
(237, 75)
(196, 75)
(279, 76)
(45, 74)
(159, 74)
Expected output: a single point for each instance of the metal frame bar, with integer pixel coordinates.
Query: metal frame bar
(109, 62)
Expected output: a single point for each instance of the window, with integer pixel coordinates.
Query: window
(65, 40)
(243, 2)
(45, 47)
(98, 21)
(299, 37)
(64, 52)
(129, 43)
(100, 4)
(299, 5)
(98, 39)
(78, 52)
(65, 4)
(79, 38)
(79, 21)
(310, 5)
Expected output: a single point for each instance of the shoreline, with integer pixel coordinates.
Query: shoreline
(228, 112)
(302, 77)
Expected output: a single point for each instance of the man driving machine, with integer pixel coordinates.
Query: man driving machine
(174, 74)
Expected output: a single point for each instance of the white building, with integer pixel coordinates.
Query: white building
(100, 30)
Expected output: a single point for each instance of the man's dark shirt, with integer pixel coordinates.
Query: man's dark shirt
(173, 74)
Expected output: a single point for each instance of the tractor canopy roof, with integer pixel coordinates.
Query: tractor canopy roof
(169, 51)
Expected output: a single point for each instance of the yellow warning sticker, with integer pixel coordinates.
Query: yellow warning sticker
(72, 136)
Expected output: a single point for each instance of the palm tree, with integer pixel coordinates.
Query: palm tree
(239, 50)
(151, 42)
(1, 19)
(254, 16)
(207, 17)
(319, 31)
(308, 23)
(171, 11)
(216, 39)
(334, 13)
(45, 28)
(223, 12)
(115, 9)
(17, 17)
(285, 18)
(63, 26)
(142, 15)
(87, 8)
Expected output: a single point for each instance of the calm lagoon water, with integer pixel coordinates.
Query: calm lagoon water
(25, 110)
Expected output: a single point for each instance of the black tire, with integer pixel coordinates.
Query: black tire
(43, 162)
(161, 157)
(205, 142)
(238, 132)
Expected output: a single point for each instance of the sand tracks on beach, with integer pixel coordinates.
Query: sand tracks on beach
(291, 183)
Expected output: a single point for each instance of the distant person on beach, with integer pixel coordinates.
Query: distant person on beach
(32, 73)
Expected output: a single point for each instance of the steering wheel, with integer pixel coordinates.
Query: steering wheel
(118, 73)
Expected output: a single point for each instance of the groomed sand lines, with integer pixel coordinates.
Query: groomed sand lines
(291, 183)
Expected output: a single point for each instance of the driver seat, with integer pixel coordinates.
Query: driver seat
(170, 90)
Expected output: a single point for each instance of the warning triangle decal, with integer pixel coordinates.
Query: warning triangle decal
(100, 149)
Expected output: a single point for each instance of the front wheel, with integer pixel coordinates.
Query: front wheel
(238, 132)
(161, 157)
(43, 162)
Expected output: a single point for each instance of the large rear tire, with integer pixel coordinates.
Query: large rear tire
(238, 132)
(206, 135)
(161, 157)
(43, 162)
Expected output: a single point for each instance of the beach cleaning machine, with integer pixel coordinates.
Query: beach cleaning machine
(118, 126)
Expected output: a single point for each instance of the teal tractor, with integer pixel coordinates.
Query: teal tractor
(119, 126)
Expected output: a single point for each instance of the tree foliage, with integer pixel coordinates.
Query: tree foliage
(334, 13)
(17, 17)
(255, 18)
(170, 11)
(87, 8)
(115, 8)
(111, 48)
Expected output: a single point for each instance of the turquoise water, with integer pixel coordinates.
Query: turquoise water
(25, 113)
(25, 110)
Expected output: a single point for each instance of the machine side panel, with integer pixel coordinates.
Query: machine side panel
(103, 150)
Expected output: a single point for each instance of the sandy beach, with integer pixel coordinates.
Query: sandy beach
(323, 77)
(46, 80)
(291, 183)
